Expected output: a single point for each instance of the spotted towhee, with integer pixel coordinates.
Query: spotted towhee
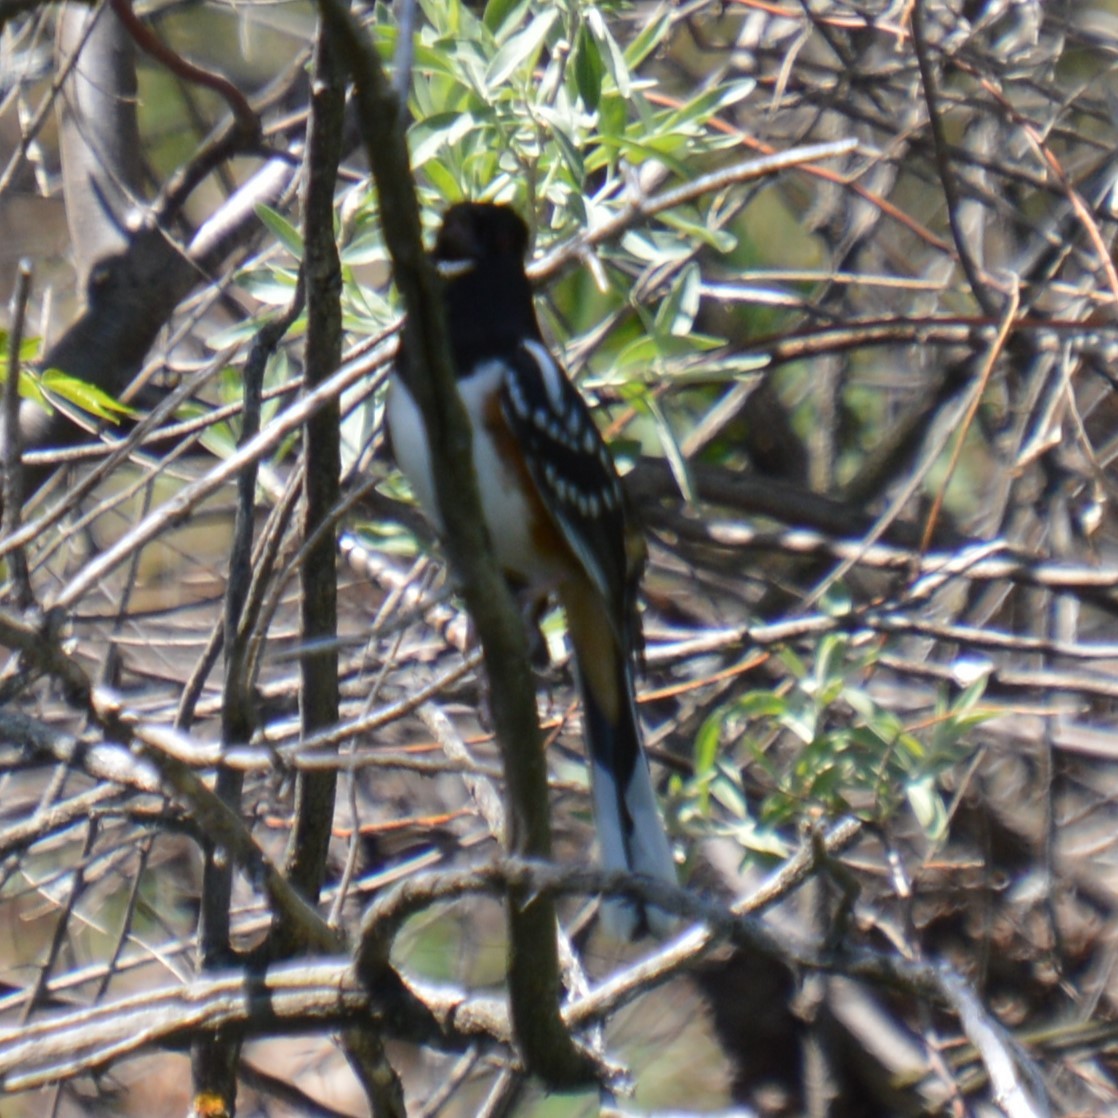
(555, 511)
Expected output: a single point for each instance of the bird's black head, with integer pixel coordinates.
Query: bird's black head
(480, 254)
(480, 234)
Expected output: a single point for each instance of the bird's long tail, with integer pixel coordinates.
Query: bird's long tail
(631, 832)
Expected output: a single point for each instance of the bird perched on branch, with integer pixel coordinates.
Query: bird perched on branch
(556, 515)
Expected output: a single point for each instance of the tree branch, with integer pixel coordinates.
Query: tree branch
(314, 795)
(534, 976)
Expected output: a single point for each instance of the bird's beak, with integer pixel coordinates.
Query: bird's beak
(452, 269)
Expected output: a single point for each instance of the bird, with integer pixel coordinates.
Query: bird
(556, 514)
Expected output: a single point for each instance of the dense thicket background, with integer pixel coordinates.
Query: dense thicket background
(838, 278)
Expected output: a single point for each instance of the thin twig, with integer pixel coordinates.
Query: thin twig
(946, 172)
(148, 41)
(11, 438)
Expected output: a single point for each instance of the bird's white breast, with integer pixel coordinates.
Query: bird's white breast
(507, 513)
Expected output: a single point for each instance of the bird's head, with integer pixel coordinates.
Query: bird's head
(476, 236)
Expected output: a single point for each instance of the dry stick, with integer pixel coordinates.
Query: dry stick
(62, 924)
(172, 432)
(179, 508)
(30, 131)
(115, 452)
(309, 840)
(9, 9)
(152, 263)
(266, 586)
(534, 976)
(305, 859)
(478, 785)
(223, 825)
(68, 1044)
(12, 497)
(148, 768)
(977, 560)
(214, 1057)
(488, 804)
(95, 1036)
(258, 609)
(60, 817)
(1018, 1086)
(943, 164)
(303, 995)
(1018, 1083)
(148, 41)
(687, 949)
(139, 880)
(893, 510)
(295, 1100)
(638, 208)
(1079, 207)
(977, 393)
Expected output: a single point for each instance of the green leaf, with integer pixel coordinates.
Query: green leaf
(837, 600)
(520, 50)
(498, 13)
(28, 351)
(732, 368)
(589, 68)
(281, 229)
(443, 179)
(830, 660)
(437, 59)
(792, 662)
(614, 58)
(29, 389)
(653, 32)
(677, 462)
(274, 287)
(692, 227)
(655, 246)
(758, 840)
(707, 104)
(968, 700)
(861, 703)
(911, 747)
(707, 743)
(928, 807)
(800, 717)
(567, 145)
(676, 313)
(82, 394)
(432, 135)
(761, 704)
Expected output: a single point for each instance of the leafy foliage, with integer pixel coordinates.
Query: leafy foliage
(51, 387)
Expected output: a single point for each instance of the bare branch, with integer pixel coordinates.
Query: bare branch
(534, 978)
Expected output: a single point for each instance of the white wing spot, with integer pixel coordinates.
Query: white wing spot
(550, 373)
(516, 394)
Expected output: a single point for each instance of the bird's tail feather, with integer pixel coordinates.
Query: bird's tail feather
(631, 833)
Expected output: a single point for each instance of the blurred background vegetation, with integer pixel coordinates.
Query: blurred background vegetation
(838, 279)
